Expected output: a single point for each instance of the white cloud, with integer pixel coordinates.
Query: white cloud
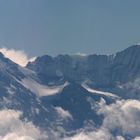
(17, 56)
(13, 136)
(123, 116)
(80, 54)
(137, 138)
(32, 59)
(63, 113)
(120, 138)
(12, 128)
(95, 135)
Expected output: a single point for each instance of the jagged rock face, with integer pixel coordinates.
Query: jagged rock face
(98, 69)
(102, 70)
(71, 68)
(126, 64)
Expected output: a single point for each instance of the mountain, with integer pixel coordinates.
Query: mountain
(67, 96)
(101, 71)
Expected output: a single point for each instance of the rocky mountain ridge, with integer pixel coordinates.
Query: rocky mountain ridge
(102, 70)
(64, 94)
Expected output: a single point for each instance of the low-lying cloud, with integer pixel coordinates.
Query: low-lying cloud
(121, 120)
(13, 128)
(121, 117)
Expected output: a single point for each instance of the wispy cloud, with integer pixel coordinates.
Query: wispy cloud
(17, 56)
(80, 54)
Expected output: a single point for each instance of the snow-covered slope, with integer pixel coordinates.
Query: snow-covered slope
(42, 90)
(98, 91)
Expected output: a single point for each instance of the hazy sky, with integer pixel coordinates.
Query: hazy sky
(69, 26)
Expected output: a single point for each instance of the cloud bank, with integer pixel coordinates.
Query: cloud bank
(121, 122)
(13, 128)
(17, 56)
(121, 117)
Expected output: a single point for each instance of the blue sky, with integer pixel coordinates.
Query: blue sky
(69, 26)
